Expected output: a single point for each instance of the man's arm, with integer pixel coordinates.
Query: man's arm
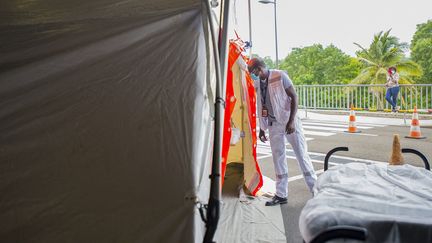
(290, 127)
(261, 134)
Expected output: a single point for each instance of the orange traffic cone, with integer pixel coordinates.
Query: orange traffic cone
(352, 128)
(415, 126)
(396, 156)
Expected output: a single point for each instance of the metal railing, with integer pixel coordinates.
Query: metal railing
(363, 97)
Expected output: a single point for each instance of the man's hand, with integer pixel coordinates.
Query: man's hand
(290, 127)
(262, 136)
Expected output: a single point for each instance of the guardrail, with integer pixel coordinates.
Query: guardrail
(363, 97)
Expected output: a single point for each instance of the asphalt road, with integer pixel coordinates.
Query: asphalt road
(372, 145)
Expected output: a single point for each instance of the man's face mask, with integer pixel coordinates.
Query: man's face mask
(254, 75)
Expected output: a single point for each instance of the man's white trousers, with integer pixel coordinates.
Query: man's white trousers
(297, 140)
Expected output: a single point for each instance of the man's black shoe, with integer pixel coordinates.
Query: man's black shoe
(277, 200)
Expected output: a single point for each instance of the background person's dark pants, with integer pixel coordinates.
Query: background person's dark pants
(391, 96)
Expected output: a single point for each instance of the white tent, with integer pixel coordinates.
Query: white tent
(106, 113)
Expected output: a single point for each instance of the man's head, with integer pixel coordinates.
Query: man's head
(257, 69)
(392, 70)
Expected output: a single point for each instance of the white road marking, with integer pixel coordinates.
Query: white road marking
(264, 156)
(361, 134)
(334, 125)
(324, 134)
(344, 157)
(267, 151)
(324, 128)
(297, 177)
(269, 186)
(342, 123)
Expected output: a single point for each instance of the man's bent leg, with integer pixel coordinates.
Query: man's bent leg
(277, 143)
(299, 145)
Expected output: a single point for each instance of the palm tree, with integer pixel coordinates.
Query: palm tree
(385, 51)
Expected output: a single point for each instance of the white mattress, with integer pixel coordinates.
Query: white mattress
(394, 203)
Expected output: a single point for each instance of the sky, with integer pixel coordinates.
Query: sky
(303, 23)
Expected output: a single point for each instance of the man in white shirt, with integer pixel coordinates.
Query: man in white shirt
(277, 109)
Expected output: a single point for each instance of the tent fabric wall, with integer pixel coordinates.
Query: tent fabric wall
(241, 109)
(105, 121)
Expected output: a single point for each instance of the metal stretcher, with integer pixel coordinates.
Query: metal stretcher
(370, 203)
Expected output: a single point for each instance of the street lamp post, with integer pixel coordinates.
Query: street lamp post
(250, 28)
(275, 20)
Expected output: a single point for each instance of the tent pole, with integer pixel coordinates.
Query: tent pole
(250, 28)
(213, 207)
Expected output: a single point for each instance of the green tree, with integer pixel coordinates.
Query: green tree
(421, 50)
(267, 60)
(384, 51)
(318, 65)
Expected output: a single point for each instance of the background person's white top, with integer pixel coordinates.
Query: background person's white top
(392, 80)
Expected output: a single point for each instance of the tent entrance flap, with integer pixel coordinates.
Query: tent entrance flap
(240, 119)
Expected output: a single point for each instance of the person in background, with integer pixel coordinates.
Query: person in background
(277, 110)
(392, 88)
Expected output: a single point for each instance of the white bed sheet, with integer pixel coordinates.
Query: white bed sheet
(394, 203)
